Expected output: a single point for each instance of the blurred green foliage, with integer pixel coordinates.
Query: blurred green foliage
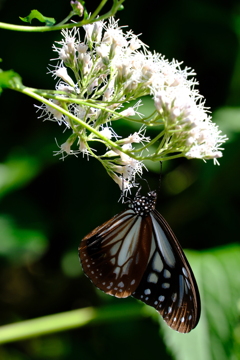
(47, 206)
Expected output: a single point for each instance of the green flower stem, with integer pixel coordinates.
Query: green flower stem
(99, 8)
(163, 142)
(60, 26)
(74, 100)
(68, 320)
(111, 144)
(59, 95)
(24, 28)
(116, 6)
(152, 142)
(72, 13)
(162, 158)
(56, 95)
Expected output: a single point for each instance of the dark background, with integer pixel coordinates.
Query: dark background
(47, 206)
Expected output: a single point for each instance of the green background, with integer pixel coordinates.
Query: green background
(47, 206)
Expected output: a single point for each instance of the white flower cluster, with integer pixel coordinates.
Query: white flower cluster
(103, 73)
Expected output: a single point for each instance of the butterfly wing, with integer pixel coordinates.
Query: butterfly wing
(168, 283)
(115, 255)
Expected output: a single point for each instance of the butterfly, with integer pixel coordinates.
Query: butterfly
(137, 254)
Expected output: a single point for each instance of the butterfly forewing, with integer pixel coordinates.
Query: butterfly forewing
(136, 253)
(168, 283)
(112, 256)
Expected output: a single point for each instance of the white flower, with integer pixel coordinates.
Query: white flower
(114, 35)
(108, 94)
(52, 114)
(56, 113)
(124, 184)
(94, 31)
(82, 48)
(83, 148)
(135, 43)
(128, 112)
(103, 50)
(138, 137)
(65, 150)
(206, 142)
(132, 168)
(62, 73)
(109, 133)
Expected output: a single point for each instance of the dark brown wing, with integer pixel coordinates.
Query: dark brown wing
(115, 255)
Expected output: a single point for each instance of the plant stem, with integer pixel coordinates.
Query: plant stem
(99, 8)
(29, 92)
(61, 26)
(68, 320)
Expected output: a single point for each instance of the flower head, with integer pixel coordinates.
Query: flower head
(110, 68)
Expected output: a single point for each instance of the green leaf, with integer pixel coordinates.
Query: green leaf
(10, 79)
(17, 172)
(35, 14)
(18, 244)
(236, 23)
(217, 273)
(228, 119)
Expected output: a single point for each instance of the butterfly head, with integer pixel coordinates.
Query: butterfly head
(143, 205)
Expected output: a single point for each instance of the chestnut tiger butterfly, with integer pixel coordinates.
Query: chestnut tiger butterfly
(137, 254)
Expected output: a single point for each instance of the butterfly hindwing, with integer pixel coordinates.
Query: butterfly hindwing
(168, 283)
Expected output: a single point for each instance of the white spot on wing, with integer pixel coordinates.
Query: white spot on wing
(147, 291)
(181, 290)
(152, 278)
(184, 272)
(157, 263)
(166, 274)
(165, 285)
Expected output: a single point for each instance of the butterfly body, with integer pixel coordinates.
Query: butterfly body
(137, 254)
